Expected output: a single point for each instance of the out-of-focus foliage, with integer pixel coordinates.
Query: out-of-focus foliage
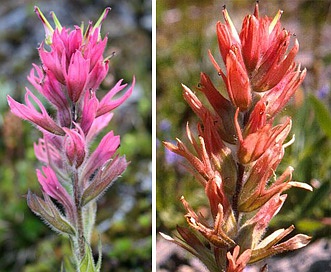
(310, 156)
(124, 212)
(185, 32)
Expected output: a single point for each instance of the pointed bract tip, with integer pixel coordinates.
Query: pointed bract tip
(56, 21)
(47, 26)
(275, 21)
(167, 237)
(102, 18)
(256, 10)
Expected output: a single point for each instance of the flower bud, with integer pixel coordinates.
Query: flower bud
(74, 144)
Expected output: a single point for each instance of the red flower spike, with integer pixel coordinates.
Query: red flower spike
(220, 104)
(238, 263)
(215, 236)
(239, 148)
(227, 35)
(279, 95)
(183, 151)
(257, 118)
(238, 85)
(215, 192)
(255, 144)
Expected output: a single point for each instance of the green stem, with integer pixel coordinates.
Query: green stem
(79, 210)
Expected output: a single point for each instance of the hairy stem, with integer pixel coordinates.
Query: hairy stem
(80, 226)
(239, 184)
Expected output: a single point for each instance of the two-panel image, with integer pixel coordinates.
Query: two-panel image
(165, 136)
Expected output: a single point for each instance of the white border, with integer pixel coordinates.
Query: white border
(153, 135)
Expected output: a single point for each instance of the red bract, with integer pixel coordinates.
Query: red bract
(238, 263)
(256, 142)
(237, 81)
(238, 148)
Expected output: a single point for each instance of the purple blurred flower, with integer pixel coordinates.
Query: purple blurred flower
(171, 158)
(165, 125)
(324, 91)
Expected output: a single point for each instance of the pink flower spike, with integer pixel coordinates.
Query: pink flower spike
(104, 179)
(53, 187)
(89, 111)
(106, 104)
(97, 75)
(48, 86)
(105, 150)
(94, 49)
(53, 61)
(40, 150)
(76, 77)
(98, 125)
(29, 113)
(47, 153)
(72, 40)
(74, 144)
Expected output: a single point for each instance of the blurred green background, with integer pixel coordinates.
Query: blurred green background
(124, 212)
(185, 32)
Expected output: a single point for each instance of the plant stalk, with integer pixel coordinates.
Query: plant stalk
(80, 227)
(239, 184)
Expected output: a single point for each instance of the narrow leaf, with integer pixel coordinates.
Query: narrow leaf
(98, 267)
(51, 215)
(322, 115)
(87, 263)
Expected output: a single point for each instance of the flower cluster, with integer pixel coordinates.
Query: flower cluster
(239, 147)
(72, 69)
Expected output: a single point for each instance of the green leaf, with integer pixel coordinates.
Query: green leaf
(309, 225)
(67, 265)
(89, 213)
(322, 115)
(98, 267)
(316, 197)
(46, 209)
(87, 263)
